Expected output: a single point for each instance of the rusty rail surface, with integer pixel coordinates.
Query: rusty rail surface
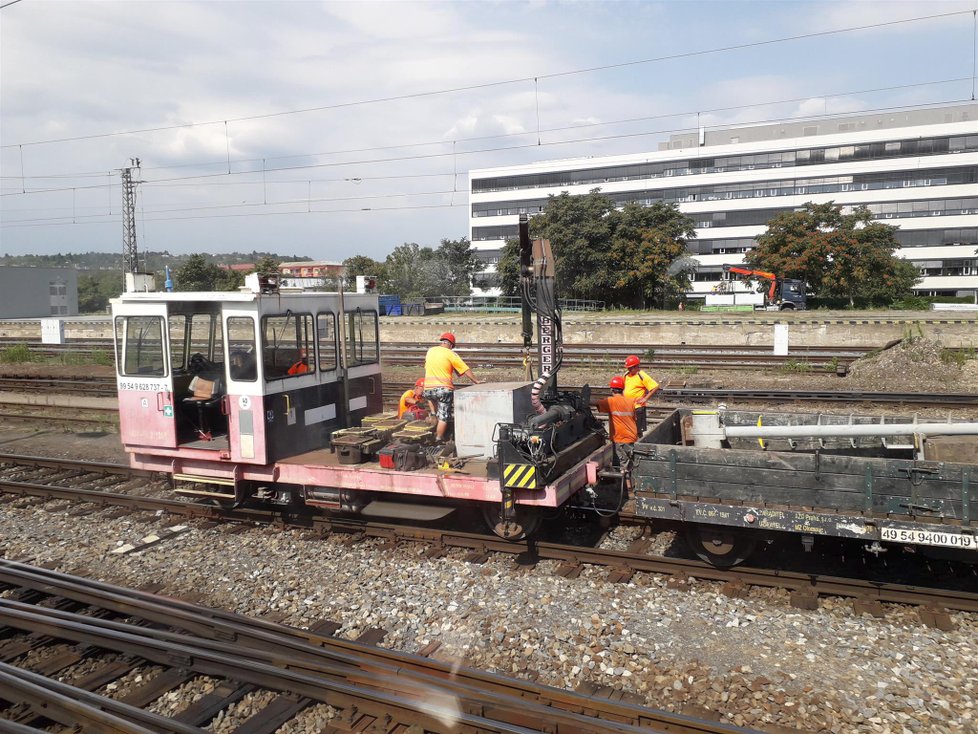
(384, 690)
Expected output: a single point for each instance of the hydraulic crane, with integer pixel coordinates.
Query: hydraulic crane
(784, 294)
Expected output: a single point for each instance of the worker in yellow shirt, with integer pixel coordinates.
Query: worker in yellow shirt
(639, 387)
(441, 363)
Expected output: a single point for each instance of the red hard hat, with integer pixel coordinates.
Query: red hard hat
(617, 383)
(419, 382)
(632, 361)
(447, 337)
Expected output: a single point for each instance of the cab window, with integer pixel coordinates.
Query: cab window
(177, 326)
(206, 337)
(287, 346)
(139, 344)
(362, 338)
(242, 359)
(326, 331)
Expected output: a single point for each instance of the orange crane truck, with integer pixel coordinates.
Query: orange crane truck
(784, 294)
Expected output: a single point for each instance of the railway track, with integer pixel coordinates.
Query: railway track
(832, 359)
(98, 386)
(814, 359)
(87, 635)
(94, 385)
(57, 479)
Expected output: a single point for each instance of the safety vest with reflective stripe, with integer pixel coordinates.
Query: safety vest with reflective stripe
(621, 411)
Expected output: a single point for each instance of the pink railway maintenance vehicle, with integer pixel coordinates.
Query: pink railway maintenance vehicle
(272, 396)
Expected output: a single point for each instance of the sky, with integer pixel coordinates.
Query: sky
(332, 129)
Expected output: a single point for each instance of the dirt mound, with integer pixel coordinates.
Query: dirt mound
(921, 365)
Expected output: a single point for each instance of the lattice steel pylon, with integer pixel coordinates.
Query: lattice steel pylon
(130, 255)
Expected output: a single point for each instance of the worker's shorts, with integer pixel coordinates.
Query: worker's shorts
(623, 453)
(641, 420)
(444, 400)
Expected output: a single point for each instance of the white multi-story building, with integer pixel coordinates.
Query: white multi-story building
(917, 169)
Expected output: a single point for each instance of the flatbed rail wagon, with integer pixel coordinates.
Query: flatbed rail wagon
(736, 478)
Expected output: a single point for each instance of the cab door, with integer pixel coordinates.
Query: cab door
(291, 380)
(144, 377)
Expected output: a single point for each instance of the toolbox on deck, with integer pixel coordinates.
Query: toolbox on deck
(418, 432)
(355, 445)
(371, 420)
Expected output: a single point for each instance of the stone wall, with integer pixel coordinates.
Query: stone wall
(809, 329)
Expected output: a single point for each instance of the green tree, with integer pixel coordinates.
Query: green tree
(90, 298)
(362, 265)
(267, 265)
(96, 288)
(197, 274)
(508, 268)
(229, 280)
(843, 257)
(580, 229)
(634, 256)
(459, 265)
(413, 271)
(649, 256)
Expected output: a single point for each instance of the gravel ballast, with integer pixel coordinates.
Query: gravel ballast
(755, 660)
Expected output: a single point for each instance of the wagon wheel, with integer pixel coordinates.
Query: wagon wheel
(720, 546)
(525, 523)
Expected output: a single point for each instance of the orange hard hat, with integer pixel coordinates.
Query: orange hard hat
(447, 337)
(617, 383)
(419, 382)
(632, 361)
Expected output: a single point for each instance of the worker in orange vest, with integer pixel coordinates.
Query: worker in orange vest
(411, 402)
(621, 420)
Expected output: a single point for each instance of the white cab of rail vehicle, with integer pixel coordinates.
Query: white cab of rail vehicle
(211, 383)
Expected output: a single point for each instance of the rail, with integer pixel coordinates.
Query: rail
(304, 666)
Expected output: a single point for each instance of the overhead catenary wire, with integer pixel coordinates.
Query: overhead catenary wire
(402, 159)
(223, 178)
(564, 128)
(518, 80)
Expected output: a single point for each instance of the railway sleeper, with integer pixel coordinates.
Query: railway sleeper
(277, 712)
(804, 599)
(868, 606)
(569, 569)
(202, 711)
(936, 618)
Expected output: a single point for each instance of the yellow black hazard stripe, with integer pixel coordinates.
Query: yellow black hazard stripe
(523, 476)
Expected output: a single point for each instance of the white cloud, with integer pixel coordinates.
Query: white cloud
(85, 68)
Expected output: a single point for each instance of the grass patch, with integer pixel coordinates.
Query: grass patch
(686, 370)
(958, 356)
(17, 354)
(96, 356)
(912, 332)
(793, 365)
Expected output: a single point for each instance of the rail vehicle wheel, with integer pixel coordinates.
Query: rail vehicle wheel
(524, 525)
(224, 504)
(720, 546)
